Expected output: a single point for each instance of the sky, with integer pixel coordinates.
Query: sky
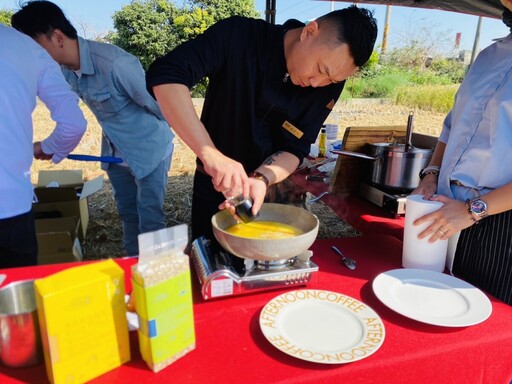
(94, 17)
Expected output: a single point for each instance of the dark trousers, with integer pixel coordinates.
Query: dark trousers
(484, 256)
(205, 204)
(18, 242)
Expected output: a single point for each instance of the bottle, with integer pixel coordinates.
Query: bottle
(243, 207)
(322, 142)
(332, 126)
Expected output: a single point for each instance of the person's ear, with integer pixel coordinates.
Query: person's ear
(309, 30)
(59, 37)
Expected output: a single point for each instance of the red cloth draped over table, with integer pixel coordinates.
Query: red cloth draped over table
(232, 349)
(361, 214)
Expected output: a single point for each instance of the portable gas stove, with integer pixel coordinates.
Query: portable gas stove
(223, 274)
(390, 199)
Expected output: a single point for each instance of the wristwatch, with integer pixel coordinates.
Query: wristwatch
(477, 207)
(260, 176)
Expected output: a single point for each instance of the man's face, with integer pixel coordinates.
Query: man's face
(507, 4)
(312, 62)
(52, 45)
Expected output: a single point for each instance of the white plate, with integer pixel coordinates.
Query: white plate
(322, 326)
(432, 297)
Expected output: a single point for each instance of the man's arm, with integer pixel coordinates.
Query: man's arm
(175, 102)
(56, 94)
(275, 168)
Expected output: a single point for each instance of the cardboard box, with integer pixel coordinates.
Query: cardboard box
(68, 199)
(58, 240)
(82, 316)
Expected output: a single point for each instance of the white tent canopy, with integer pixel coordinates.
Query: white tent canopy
(487, 8)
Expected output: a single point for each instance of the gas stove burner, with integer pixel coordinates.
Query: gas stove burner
(392, 190)
(223, 274)
(393, 200)
(273, 265)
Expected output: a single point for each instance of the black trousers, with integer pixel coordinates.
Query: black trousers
(484, 256)
(205, 204)
(18, 242)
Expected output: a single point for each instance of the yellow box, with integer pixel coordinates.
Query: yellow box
(82, 315)
(166, 318)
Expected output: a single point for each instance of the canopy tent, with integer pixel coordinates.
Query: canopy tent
(487, 8)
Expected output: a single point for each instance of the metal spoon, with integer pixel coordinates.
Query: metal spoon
(349, 263)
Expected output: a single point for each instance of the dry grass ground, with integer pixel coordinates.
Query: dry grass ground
(104, 235)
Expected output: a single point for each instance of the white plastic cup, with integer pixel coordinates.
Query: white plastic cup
(418, 253)
(313, 151)
(331, 131)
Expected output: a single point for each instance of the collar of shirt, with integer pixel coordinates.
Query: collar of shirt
(86, 65)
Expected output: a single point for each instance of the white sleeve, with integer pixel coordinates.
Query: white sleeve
(56, 94)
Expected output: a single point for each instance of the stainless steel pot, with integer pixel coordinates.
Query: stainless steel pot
(394, 165)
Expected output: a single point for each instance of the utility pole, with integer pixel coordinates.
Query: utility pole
(476, 42)
(385, 34)
(270, 11)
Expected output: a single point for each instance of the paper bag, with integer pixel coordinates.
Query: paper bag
(163, 297)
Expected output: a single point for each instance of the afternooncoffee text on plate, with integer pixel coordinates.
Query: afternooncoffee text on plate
(371, 340)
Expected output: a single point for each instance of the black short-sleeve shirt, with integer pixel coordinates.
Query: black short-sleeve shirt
(251, 109)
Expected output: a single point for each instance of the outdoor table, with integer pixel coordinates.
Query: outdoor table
(232, 349)
(366, 217)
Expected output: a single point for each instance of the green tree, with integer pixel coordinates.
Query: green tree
(5, 16)
(145, 28)
(151, 28)
(222, 9)
(190, 24)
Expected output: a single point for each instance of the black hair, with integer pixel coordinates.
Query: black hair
(357, 28)
(506, 16)
(40, 17)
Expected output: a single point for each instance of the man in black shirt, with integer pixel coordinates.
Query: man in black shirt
(270, 89)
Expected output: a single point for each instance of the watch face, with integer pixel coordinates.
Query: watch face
(478, 207)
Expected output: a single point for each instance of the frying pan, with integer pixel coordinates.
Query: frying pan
(268, 249)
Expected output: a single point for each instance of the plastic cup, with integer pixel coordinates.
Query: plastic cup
(313, 152)
(331, 131)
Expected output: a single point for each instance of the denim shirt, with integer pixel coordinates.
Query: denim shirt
(478, 130)
(112, 84)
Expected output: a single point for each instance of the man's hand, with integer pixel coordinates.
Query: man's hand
(39, 154)
(257, 192)
(228, 175)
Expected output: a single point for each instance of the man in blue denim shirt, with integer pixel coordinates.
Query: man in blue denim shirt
(111, 82)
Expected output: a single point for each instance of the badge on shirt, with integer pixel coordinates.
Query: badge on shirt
(330, 104)
(293, 129)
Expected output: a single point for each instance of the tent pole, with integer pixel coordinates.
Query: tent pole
(385, 34)
(476, 42)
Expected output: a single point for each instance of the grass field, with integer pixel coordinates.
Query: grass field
(104, 234)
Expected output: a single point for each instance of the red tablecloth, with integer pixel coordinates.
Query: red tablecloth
(232, 349)
(361, 214)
